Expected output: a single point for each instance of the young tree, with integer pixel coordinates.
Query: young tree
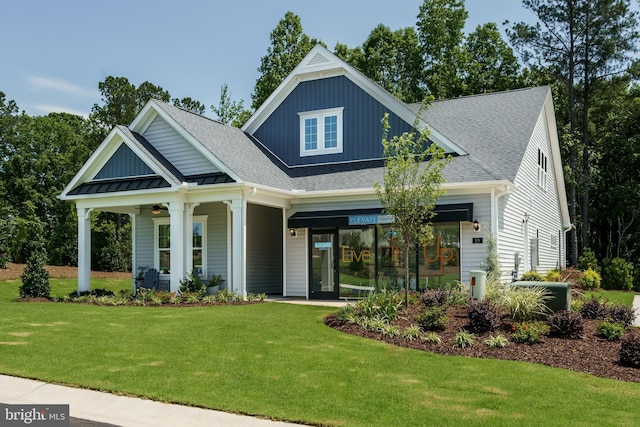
(230, 112)
(35, 278)
(289, 45)
(411, 186)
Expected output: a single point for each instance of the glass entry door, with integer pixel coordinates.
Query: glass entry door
(324, 265)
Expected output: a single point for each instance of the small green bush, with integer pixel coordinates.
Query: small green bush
(464, 339)
(497, 341)
(384, 305)
(553, 276)
(526, 303)
(432, 338)
(411, 333)
(588, 261)
(192, 284)
(617, 274)
(590, 280)
(484, 317)
(433, 318)
(532, 276)
(610, 331)
(529, 332)
(35, 278)
(630, 350)
(566, 324)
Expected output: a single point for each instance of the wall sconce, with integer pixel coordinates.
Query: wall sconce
(476, 226)
(293, 233)
(155, 209)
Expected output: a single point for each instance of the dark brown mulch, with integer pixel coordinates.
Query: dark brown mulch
(589, 354)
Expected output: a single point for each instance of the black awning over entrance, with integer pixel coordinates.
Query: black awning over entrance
(340, 218)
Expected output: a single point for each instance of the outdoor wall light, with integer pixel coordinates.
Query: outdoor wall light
(155, 209)
(293, 233)
(476, 225)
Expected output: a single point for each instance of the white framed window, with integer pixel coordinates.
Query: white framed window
(542, 170)
(162, 245)
(321, 132)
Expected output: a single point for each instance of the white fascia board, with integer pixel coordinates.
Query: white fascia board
(147, 118)
(557, 160)
(102, 155)
(334, 66)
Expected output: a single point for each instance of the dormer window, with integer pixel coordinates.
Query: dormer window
(321, 132)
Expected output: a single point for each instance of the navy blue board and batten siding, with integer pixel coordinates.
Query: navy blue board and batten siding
(124, 163)
(361, 118)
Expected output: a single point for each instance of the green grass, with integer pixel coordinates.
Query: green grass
(280, 361)
(616, 297)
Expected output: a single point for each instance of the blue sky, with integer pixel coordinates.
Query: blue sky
(54, 53)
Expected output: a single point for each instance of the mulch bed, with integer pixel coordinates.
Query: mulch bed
(589, 354)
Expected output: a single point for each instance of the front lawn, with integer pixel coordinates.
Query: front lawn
(280, 361)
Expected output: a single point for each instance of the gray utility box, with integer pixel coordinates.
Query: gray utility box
(560, 293)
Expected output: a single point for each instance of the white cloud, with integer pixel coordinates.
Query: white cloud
(62, 86)
(45, 109)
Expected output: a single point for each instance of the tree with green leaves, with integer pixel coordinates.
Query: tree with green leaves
(490, 63)
(190, 104)
(289, 45)
(392, 59)
(230, 112)
(412, 184)
(35, 278)
(440, 28)
(584, 43)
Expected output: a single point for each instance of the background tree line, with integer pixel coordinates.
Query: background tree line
(584, 49)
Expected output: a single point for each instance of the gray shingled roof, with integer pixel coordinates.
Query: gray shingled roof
(235, 149)
(494, 129)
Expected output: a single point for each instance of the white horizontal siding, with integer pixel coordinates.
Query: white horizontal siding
(216, 238)
(176, 149)
(296, 262)
(144, 243)
(541, 206)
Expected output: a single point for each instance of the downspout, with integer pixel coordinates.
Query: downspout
(566, 229)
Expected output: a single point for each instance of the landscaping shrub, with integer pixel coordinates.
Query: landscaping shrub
(553, 276)
(435, 297)
(588, 261)
(192, 284)
(433, 318)
(464, 339)
(458, 293)
(529, 332)
(590, 280)
(532, 276)
(483, 317)
(611, 331)
(432, 338)
(35, 278)
(617, 274)
(526, 303)
(497, 341)
(630, 350)
(566, 324)
(620, 314)
(384, 305)
(593, 309)
(411, 333)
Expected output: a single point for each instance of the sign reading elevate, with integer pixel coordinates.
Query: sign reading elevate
(370, 219)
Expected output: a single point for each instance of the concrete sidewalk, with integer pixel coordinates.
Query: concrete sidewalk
(636, 309)
(119, 410)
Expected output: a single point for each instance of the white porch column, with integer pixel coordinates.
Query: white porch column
(176, 211)
(188, 236)
(238, 244)
(84, 249)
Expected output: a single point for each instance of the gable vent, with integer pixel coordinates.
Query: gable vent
(318, 58)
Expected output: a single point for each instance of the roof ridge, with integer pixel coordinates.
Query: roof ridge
(485, 94)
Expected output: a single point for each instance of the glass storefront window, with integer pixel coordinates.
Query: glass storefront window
(439, 262)
(357, 268)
